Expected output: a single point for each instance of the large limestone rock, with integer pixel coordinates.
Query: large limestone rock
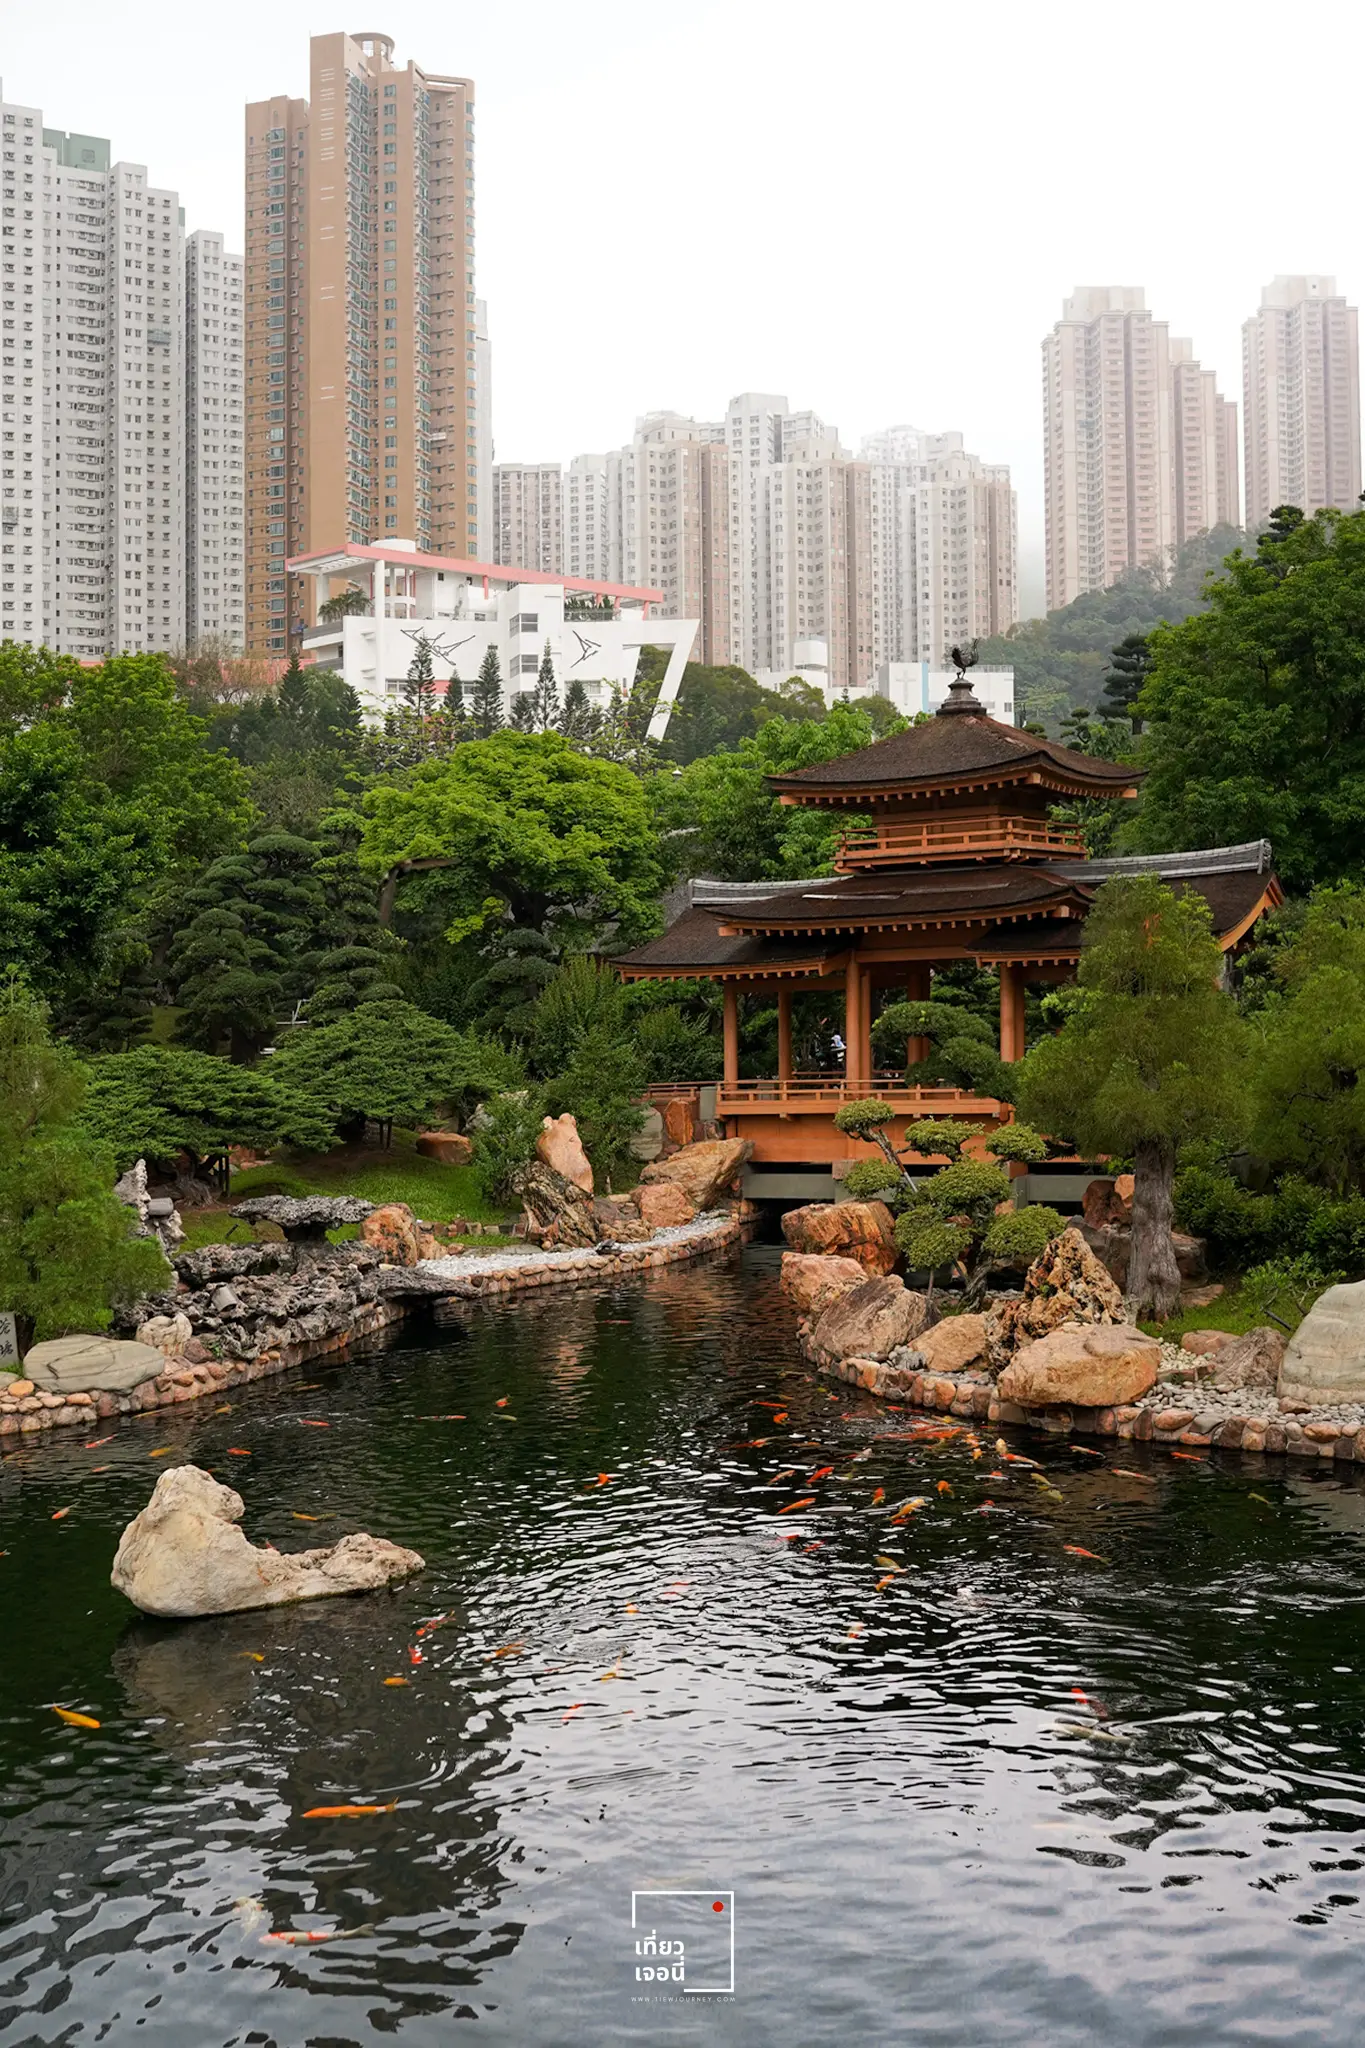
(560, 1147)
(184, 1555)
(863, 1231)
(869, 1321)
(953, 1344)
(662, 1205)
(704, 1171)
(1085, 1365)
(1065, 1284)
(1251, 1361)
(813, 1282)
(92, 1365)
(167, 1334)
(398, 1236)
(648, 1141)
(1325, 1361)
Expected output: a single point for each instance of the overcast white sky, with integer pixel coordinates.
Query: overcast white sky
(873, 207)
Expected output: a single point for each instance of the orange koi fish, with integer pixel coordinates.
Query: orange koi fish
(347, 1812)
(792, 1505)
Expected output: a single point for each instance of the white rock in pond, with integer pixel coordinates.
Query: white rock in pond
(184, 1555)
(1325, 1361)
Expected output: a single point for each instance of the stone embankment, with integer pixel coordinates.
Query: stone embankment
(1060, 1357)
(242, 1313)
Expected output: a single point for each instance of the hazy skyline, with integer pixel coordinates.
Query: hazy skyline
(880, 221)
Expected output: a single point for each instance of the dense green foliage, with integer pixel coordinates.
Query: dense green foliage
(727, 821)
(531, 830)
(68, 1252)
(1256, 709)
(1064, 660)
(158, 1102)
(389, 1062)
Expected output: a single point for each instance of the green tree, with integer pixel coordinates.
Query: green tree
(347, 604)
(730, 823)
(1309, 1065)
(108, 795)
(387, 1063)
(1151, 1057)
(577, 720)
(545, 696)
(1256, 709)
(157, 1102)
(245, 955)
(505, 1142)
(523, 827)
(962, 1051)
(68, 1253)
(600, 1087)
(1130, 664)
(419, 686)
(485, 710)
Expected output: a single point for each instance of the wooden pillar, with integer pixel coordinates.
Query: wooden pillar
(1011, 1011)
(918, 983)
(784, 1035)
(730, 1032)
(865, 1026)
(853, 1030)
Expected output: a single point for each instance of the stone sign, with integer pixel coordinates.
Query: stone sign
(9, 1340)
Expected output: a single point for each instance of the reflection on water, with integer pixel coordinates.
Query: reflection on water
(964, 1783)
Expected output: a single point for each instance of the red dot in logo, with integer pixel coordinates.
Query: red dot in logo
(717, 1905)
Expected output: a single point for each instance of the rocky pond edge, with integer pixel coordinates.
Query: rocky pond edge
(467, 1278)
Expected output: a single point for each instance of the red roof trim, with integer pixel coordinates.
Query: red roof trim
(499, 572)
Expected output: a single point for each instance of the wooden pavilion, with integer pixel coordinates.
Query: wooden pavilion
(950, 855)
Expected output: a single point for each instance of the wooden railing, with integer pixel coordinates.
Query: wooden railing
(901, 840)
(822, 1094)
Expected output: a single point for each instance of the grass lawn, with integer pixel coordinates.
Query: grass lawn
(1229, 1312)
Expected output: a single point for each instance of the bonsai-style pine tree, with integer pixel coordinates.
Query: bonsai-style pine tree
(1130, 666)
(1150, 1058)
(962, 1050)
(485, 710)
(955, 1217)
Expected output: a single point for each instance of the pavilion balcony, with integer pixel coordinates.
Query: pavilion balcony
(896, 842)
(822, 1094)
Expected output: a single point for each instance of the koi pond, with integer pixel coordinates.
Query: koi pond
(717, 1676)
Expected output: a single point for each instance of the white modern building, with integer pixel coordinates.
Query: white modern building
(215, 459)
(594, 630)
(528, 512)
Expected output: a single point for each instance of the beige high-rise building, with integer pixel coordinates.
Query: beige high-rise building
(1107, 473)
(362, 413)
(1301, 399)
(1203, 448)
(675, 490)
(1136, 443)
(528, 516)
(819, 523)
(215, 594)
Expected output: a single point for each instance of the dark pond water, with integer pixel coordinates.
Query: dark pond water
(917, 1828)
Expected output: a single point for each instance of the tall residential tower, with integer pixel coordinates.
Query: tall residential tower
(1301, 399)
(362, 336)
(215, 565)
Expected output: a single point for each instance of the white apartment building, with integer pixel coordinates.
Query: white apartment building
(528, 515)
(945, 551)
(1301, 399)
(92, 427)
(215, 462)
(1204, 451)
(1121, 486)
(592, 526)
(594, 630)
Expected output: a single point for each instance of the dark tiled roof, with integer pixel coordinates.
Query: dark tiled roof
(848, 901)
(694, 942)
(944, 749)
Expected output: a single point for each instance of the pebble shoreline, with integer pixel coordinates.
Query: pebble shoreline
(1183, 1413)
(467, 1279)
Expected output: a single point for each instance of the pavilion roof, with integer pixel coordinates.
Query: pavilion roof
(949, 751)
